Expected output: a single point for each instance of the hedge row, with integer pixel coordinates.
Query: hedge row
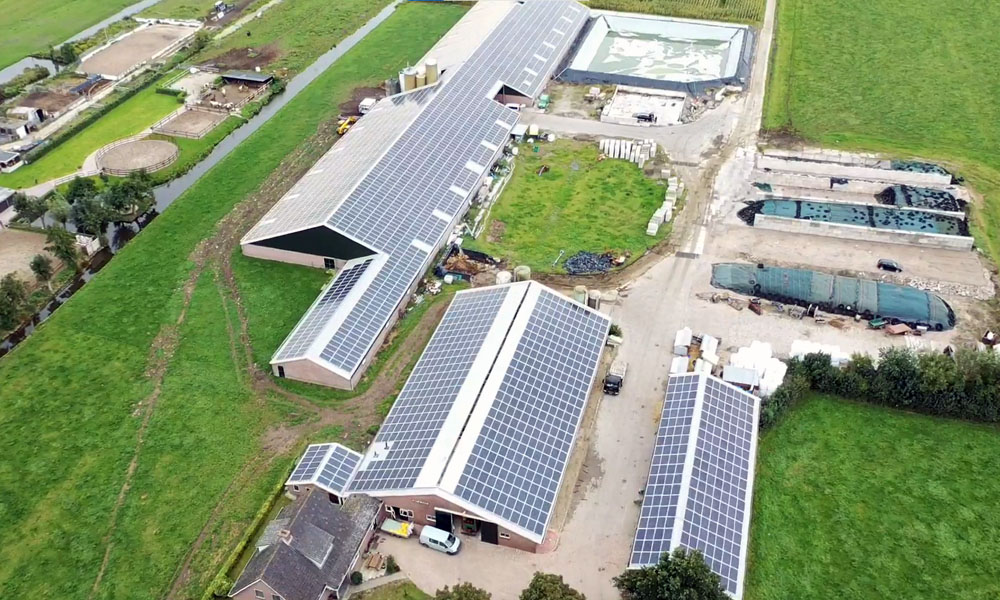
(964, 385)
(17, 85)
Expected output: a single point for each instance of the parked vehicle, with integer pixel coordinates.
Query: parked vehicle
(397, 528)
(889, 265)
(344, 125)
(366, 105)
(615, 378)
(440, 540)
(645, 117)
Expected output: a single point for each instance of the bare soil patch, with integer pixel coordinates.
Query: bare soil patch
(16, 251)
(140, 154)
(350, 107)
(497, 229)
(246, 58)
(50, 102)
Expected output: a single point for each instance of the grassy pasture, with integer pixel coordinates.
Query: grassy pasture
(914, 78)
(70, 395)
(744, 11)
(597, 207)
(874, 503)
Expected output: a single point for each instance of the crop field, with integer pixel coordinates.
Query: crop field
(874, 503)
(128, 118)
(179, 9)
(30, 27)
(578, 204)
(300, 31)
(912, 78)
(136, 446)
(744, 11)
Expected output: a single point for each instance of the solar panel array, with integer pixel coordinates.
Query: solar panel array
(312, 199)
(328, 465)
(338, 469)
(319, 314)
(310, 464)
(520, 456)
(404, 206)
(710, 502)
(663, 487)
(415, 420)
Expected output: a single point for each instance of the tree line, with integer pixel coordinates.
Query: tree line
(964, 384)
(680, 575)
(90, 207)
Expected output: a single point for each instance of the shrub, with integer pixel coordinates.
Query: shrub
(356, 578)
(390, 565)
(615, 330)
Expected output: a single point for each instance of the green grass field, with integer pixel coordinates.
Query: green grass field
(861, 502)
(179, 9)
(301, 29)
(908, 78)
(745, 11)
(128, 118)
(70, 395)
(404, 590)
(30, 27)
(602, 206)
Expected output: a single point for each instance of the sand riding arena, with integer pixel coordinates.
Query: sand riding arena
(131, 155)
(191, 123)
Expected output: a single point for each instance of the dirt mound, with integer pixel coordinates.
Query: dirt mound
(245, 59)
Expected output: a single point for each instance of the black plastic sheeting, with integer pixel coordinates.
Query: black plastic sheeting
(918, 197)
(583, 263)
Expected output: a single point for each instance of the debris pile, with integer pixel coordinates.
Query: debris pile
(583, 263)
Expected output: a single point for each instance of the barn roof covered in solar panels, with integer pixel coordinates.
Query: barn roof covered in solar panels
(329, 466)
(405, 173)
(489, 415)
(701, 477)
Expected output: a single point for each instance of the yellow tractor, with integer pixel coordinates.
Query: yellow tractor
(344, 125)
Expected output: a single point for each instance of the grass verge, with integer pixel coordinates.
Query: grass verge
(906, 80)
(72, 395)
(578, 204)
(403, 590)
(870, 502)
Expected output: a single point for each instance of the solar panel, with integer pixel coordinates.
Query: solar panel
(419, 412)
(520, 456)
(701, 477)
(311, 463)
(338, 469)
(406, 203)
(323, 308)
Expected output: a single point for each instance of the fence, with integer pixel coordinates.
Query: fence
(123, 172)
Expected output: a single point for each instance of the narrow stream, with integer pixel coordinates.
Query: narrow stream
(119, 234)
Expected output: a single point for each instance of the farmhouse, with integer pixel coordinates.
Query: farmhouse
(308, 550)
(480, 436)
(382, 201)
(701, 477)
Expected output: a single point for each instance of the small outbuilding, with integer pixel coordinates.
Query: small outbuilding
(249, 78)
(8, 162)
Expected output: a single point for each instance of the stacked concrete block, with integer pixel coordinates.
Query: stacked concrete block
(638, 152)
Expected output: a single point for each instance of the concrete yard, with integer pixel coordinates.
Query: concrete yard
(17, 248)
(140, 46)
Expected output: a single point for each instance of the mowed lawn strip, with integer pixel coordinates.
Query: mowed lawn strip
(874, 503)
(128, 118)
(912, 78)
(578, 204)
(301, 29)
(69, 393)
(31, 27)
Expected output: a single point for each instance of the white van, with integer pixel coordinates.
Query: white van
(440, 540)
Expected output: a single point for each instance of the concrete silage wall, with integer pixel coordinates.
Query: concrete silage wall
(861, 233)
(848, 296)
